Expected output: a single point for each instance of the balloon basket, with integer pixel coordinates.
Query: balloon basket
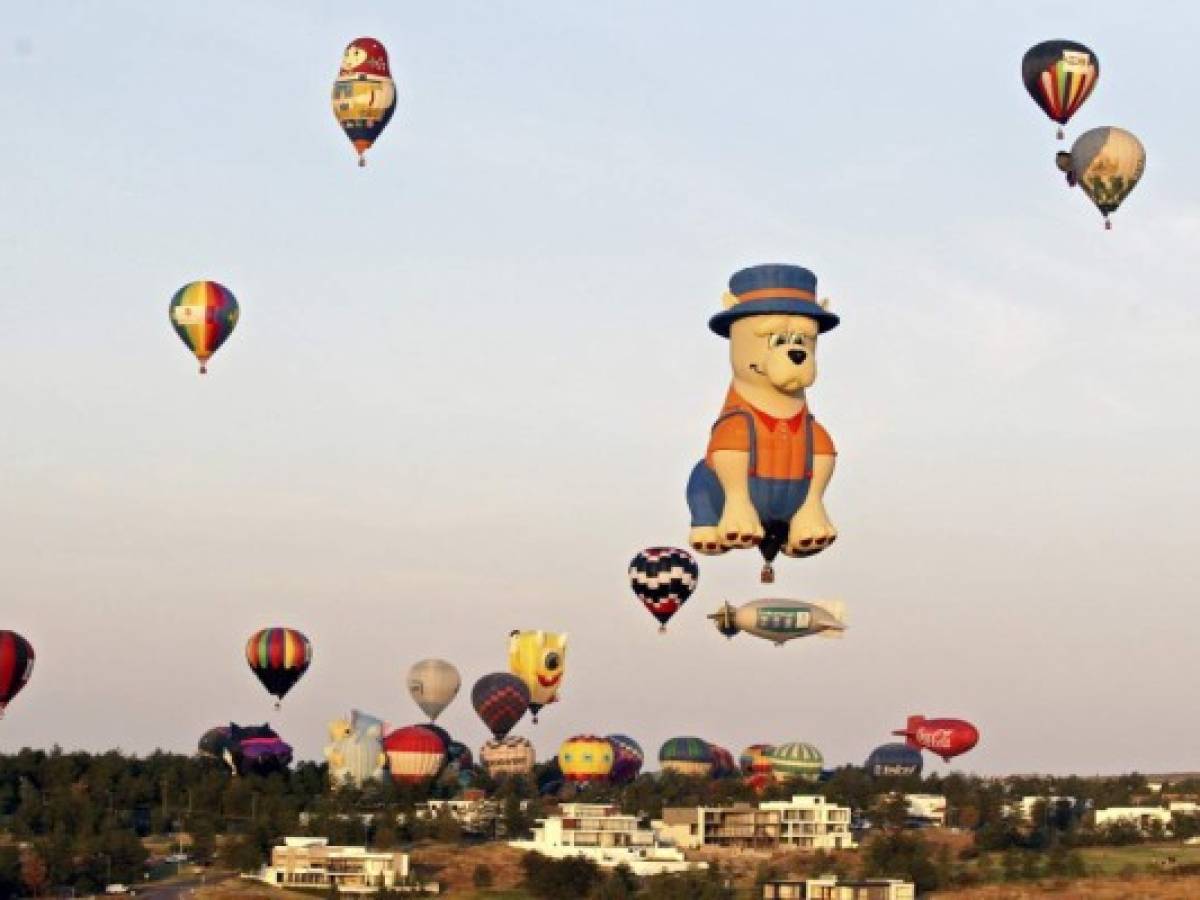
(203, 370)
(1107, 224)
(277, 704)
(362, 162)
(1060, 135)
(767, 575)
(662, 629)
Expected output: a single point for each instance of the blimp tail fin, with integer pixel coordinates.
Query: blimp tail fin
(836, 610)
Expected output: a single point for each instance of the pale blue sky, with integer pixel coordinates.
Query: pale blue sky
(470, 379)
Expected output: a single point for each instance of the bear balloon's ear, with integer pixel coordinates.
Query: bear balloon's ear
(824, 302)
(728, 300)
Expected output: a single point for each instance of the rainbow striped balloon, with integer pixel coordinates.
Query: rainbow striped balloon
(278, 657)
(204, 314)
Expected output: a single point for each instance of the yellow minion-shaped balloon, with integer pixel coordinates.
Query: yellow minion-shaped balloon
(539, 659)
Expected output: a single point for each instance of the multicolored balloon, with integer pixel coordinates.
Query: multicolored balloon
(754, 760)
(433, 684)
(796, 760)
(686, 756)
(663, 578)
(1060, 76)
(16, 665)
(500, 699)
(364, 95)
(538, 658)
(1107, 163)
(278, 657)
(585, 758)
(414, 754)
(627, 758)
(204, 315)
(513, 755)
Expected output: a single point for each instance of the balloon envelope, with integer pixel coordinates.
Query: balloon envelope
(500, 699)
(686, 756)
(16, 666)
(663, 578)
(1107, 163)
(433, 684)
(1060, 76)
(796, 760)
(538, 658)
(513, 755)
(414, 753)
(627, 758)
(278, 657)
(364, 95)
(585, 758)
(894, 761)
(204, 314)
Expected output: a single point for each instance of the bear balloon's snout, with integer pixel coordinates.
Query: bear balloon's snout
(797, 356)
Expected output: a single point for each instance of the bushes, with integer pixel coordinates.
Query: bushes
(554, 879)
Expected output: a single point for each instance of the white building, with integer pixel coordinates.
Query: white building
(476, 815)
(1023, 808)
(604, 835)
(309, 862)
(808, 822)
(1141, 816)
(811, 823)
(827, 887)
(929, 808)
(1183, 807)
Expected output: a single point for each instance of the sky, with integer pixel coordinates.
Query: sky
(470, 379)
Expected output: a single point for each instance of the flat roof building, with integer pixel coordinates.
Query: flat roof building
(827, 887)
(310, 862)
(807, 822)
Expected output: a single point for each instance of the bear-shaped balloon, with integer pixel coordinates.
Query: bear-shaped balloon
(762, 481)
(355, 751)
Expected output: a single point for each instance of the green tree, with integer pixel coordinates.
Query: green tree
(555, 879)
(204, 839)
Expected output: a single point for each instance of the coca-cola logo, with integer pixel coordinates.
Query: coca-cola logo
(936, 738)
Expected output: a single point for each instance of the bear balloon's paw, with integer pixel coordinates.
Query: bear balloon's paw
(810, 533)
(739, 526)
(704, 539)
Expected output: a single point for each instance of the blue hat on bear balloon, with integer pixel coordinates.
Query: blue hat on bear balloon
(772, 290)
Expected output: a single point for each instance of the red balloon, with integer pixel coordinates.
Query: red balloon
(945, 737)
(16, 665)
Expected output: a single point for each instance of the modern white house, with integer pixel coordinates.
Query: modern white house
(930, 808)
(606, 836)
(807, 822)
(1141, 816)
(310, 862)
(1023, 808)
(827, 887)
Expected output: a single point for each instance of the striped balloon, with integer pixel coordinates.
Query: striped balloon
(663, 578)
(627, 758)
(500, 699)
(278, 657)
(204, 314)
(1060, 76)
(16, 665)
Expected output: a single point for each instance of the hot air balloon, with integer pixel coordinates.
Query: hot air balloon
(433, 684)
(204, 314)
(686, 756)
(1059, 76)
(782, 620)
(500, 698)
(585, 758)
(278, 657)
(627, 758)
(259, 750)
(355, 750)
(762, 480)
(538, 658)
(945, 737)
(217, 743)
(513, 755)
(663, 578)
(894, 761)
(723, 764)
(796, 760)
(16, 665)
(414, 753)
(364, 95)
(753, 759)
(1107, 163)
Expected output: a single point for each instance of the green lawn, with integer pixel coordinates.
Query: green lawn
(1151, 857)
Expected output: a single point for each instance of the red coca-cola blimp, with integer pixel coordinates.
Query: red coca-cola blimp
(945, 737)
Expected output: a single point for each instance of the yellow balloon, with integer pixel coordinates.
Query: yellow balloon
(538, 658)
